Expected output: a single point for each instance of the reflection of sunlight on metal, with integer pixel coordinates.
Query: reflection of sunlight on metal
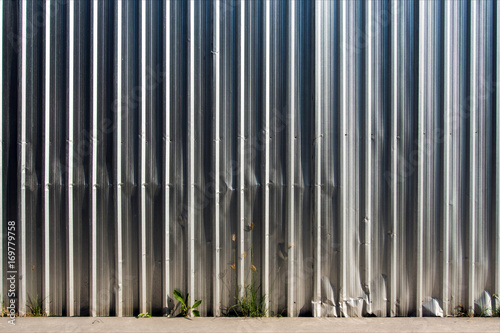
(205, 145)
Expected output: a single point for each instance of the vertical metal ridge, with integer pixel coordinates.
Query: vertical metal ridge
(71, 156)
(267, 158)
(191, 149)
(317, 157)
(472, 153)
(216, 109)
(448, 95)
(393, 182)
(497, 164)
(46, 162)
(241, 156)
(2, 214)
(94, 140)
(344, 108)
(291, 183)
(422, 35)
(371, 100)
(22, 214)
(119, 177)
(168, 138)
(142, 164)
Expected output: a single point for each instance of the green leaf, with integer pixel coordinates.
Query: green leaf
(187, 299)
(178, 296)
(196, 313)
(197, 304)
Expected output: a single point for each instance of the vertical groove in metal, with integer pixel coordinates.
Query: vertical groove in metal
(267, 146)
(393, 170)
(343, 169)
(142, 179)
(472, 151)
(318, 71)
(2, 140)
(71, 156)
(422, 83)
(119, 177)
(94, 180)
(371, 96)
(168, 140)
(497, 164)
(241, 155)
(191, 149)
(23, 183)
(216, 50)
(46, 178)
(448, 70)
(291, 164)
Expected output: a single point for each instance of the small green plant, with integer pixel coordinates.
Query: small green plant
(3, 311)
(496, 312)
(250, 304)
(36, 307)
(485, 312)
(144, 315)
(186, 309)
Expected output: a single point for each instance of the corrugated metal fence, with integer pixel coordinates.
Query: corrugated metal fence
(342, 156)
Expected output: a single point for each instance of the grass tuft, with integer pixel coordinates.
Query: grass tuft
(35, 307)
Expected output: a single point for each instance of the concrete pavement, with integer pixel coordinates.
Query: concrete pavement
(289, 325)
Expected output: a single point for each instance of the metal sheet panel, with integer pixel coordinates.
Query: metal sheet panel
(340, 156)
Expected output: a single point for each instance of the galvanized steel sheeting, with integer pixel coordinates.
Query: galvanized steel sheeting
(341, 155)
